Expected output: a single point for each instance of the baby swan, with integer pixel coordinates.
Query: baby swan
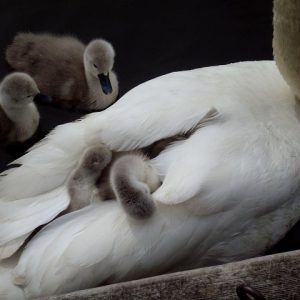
(82, 183)
(19, 117)
(127, 176)
(74, 75)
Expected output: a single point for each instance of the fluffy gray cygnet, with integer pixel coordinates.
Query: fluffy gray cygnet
(127, 176)
(19, 117)
(74, 75)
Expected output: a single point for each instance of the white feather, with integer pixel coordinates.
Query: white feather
(60, 250)
(9, 291)
(20, 217)
(8, 248)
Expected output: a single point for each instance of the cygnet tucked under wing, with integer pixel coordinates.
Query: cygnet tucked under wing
(133, 180)
(99, 168)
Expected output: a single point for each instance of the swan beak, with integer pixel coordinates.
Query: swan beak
(43, 99)
(105, 83)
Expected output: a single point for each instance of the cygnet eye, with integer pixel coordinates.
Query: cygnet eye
(28, 96)
(95, 66)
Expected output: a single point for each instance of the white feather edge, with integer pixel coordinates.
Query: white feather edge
(12, 246)
(8, 290)
(19, 218)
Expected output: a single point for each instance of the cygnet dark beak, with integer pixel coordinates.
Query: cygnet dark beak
(105, 83)
(43, 99)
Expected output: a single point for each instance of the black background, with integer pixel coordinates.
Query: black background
(151, 38)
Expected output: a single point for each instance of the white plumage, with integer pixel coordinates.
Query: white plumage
(9, 291)
(229, 192)
(20, 217)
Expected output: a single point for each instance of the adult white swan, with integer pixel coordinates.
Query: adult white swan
(250, 152)
(229, 192)
(33, 194)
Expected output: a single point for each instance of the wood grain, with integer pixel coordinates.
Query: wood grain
(275, 276)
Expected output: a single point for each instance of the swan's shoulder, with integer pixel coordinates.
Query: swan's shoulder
(202, 80)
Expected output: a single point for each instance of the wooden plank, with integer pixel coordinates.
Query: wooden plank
(276, 276)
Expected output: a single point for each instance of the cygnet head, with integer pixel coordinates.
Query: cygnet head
(18, 89)
(95, 159)
(99, 60)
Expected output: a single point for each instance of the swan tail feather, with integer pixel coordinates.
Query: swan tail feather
(8, 249)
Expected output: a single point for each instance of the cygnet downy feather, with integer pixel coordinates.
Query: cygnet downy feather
(19, 117)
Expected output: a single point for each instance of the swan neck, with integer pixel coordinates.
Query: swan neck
(286, 41)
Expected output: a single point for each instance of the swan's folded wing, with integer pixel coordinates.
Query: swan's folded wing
(20, 217)
(64, 247)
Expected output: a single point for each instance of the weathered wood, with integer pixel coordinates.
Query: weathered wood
(275, 276)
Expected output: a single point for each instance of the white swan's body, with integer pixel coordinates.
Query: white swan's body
(229, 192)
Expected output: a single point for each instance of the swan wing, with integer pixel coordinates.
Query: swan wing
(45, 166)
(9, 248)
(9, 291)
(20, 217)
